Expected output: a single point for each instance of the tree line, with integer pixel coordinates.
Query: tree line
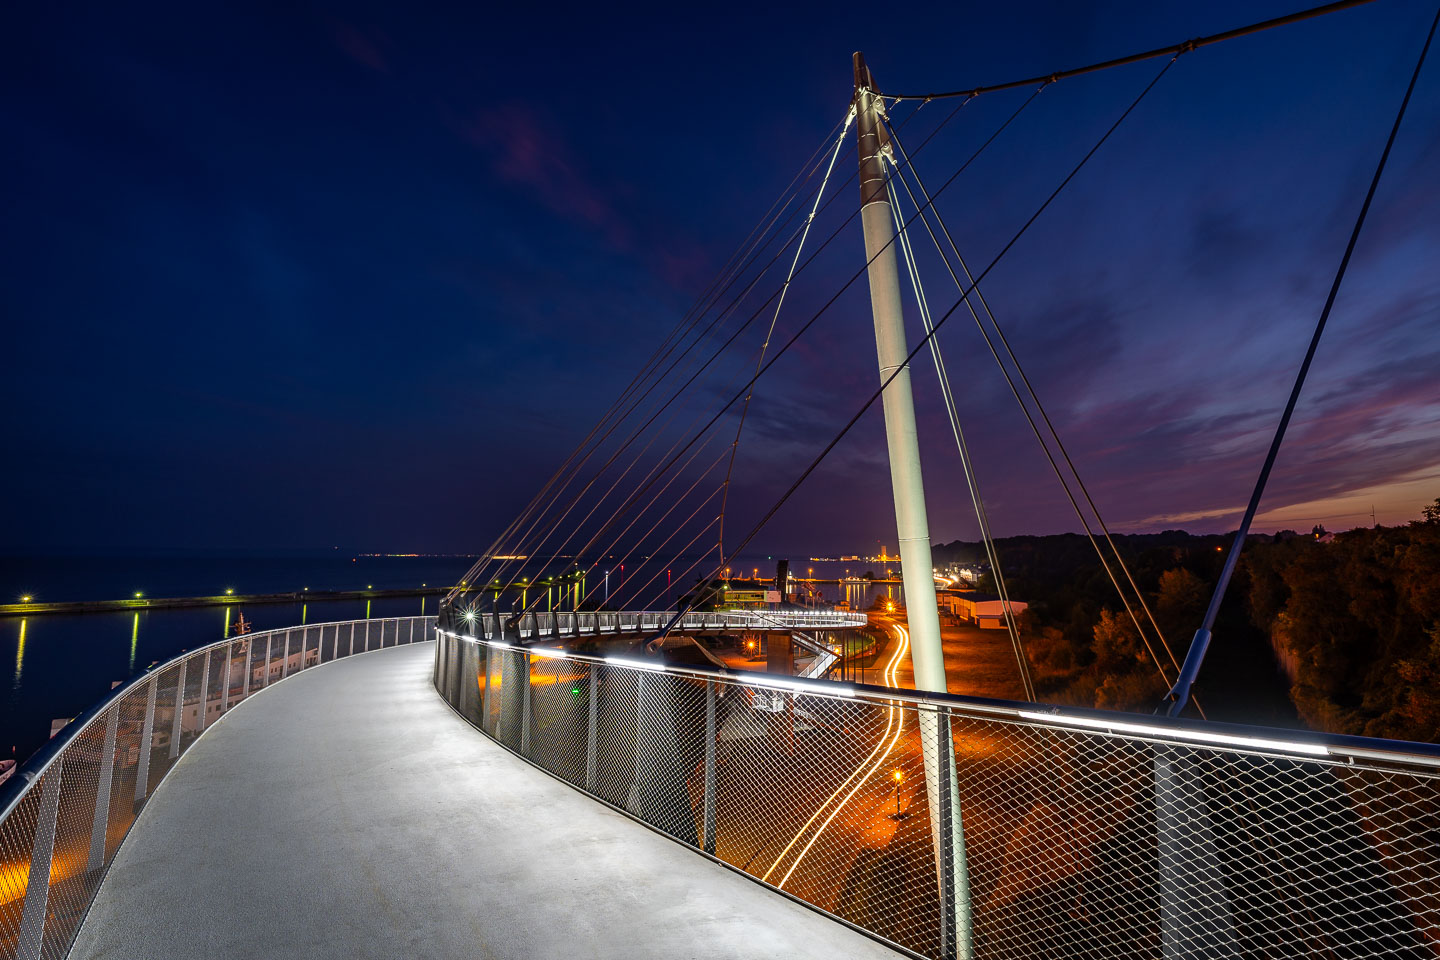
(1339, 632)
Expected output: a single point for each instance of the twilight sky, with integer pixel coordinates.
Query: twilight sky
(301, 275)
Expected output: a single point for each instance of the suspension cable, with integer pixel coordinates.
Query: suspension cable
(815, 463)
(1180, 693)
(970, 478)
(779, 303)
(732, 270)
(811, 321)
(1174, 49)
(1049, 425)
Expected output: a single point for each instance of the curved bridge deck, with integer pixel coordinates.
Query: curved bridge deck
(349, 813)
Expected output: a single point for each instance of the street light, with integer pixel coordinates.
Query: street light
(899, 777)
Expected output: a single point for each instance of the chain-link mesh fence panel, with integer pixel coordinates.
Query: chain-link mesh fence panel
(465, 682)
(17, 846)
(559, 700)
(75, 828)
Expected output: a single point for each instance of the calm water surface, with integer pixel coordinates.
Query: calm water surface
(55, 666)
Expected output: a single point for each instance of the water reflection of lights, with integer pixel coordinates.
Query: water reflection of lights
(20, 656)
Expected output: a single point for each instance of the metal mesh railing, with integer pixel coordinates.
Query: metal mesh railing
(582, 623)
(963, 828)
(63, 817)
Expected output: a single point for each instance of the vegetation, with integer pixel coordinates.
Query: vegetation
(1341, 632)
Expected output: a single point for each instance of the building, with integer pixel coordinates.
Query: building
(984, 610)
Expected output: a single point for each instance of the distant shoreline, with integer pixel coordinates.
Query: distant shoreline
(224, 600)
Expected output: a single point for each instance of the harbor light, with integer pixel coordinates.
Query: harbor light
(138, 594)
(229, 591)
(26, 599)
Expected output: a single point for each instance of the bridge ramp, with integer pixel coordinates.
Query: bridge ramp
(348, 813)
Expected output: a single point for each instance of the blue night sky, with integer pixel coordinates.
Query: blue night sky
(301, 275)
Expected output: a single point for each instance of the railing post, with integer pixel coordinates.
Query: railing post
(350, 647)
(247, 652)
(953, 869)
(367, 637)
(591, 726)
(225, 679)
(525, 705)
(1196, 916)
(204, 693)
(147, 733)
(446, 652)
(485, 690)
(269, 641)
(285, 663)
(175, 728)
(709, 810)
(412, 631)
(37, 886)
(100, 823)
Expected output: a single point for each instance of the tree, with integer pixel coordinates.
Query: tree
(1117, 646)
(1181, 604)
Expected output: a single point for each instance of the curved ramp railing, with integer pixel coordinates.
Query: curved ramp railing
(598, 623)
(63, 816)
(1070, 833)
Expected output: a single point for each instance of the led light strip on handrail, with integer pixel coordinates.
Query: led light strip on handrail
(820, 688)
(1190, 736)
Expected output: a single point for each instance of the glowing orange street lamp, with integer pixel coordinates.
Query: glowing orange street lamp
(899, 777)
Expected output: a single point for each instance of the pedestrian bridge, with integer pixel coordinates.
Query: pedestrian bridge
(449, 794)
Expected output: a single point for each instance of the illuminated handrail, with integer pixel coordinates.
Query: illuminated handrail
(111, 757)
(1085, 831)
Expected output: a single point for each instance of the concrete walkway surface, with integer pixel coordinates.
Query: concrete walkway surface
(349, 814)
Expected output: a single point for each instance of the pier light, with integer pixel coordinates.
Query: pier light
(26, 599)
(229, 591)
(138, 594)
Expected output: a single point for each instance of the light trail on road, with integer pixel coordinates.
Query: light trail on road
(894, 721)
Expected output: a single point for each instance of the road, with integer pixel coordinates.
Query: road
(978, 663)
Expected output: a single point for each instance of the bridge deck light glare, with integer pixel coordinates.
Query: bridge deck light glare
(635, 664)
